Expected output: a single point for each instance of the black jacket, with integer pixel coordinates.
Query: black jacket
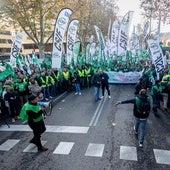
(97, 80)
(104, 78)
(12, 98)
(135, 111)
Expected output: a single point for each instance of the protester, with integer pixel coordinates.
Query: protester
(88, 75)
(165, 83)
(66, 79)
(35, 89)
(105, 83)
(14, 103)
(22, 88)
(156, 96)
(35, 120)
(141, 112)
(76, 81)
(97, 84)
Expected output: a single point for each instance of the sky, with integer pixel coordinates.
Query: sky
(133, 5)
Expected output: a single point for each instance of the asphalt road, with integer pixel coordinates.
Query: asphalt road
(84, 135)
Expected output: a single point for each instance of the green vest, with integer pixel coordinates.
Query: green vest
(49, 81)
(87, 72)
(43, 83)
(81, 73)
(21, 86)
(34, 108)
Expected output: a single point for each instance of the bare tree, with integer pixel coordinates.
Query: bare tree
(35, 17)
(155, 8)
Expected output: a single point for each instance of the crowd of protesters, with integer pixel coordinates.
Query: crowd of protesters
(159, 89)
(47, 83)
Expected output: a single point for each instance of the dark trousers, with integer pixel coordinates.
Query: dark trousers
(14, 110)
(105, 86)
(38, 128)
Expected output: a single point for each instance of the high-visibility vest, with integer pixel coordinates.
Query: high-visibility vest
(49, 81)
(87, 72)
(43, 83)
(35, 108)
(81, 73)
(54, 75)
(66, 75)
(165, 78)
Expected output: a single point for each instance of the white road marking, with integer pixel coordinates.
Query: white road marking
(95, 114)
(6, 146)
(55, 129)
(128, 153)
(95, 150)
(64, 148)
(59, 96)
(32, 148)
(99, 113)
(162, 156)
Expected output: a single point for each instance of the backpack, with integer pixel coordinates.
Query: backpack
(143, 107)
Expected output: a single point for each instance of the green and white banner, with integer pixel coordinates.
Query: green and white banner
(59, 31)
(15, 49)
(124, 34)
(100, 40)
(88, 53)
(124, 78)
(71, 38)
(145, 34)
(114, 37)
(76, 51)
(157, 56)
(92, 51)
(135, 41)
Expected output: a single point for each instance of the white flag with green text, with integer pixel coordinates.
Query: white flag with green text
(59, 32)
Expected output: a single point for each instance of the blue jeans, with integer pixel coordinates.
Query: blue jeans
(140, 125)
(77, 87)
(96, 93)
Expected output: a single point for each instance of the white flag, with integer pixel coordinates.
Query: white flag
(100, 40)
(15, 49)
(114, 37)
(59, 31)
(157, 56)
(71, 38)
(124, 34)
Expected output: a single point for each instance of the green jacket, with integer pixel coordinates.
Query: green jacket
(35, 108)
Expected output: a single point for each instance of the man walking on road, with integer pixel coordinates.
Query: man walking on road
(35, 120)
(97, 84)
(141, 112)
(105, 83)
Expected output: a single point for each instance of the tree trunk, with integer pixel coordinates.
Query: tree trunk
(41, 50)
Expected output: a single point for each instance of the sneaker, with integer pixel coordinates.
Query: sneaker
(13, 120)
(136, 133)
(80, 94)
(50, 97)
(101, 97)
(109, 97)
(76, 93)
(17, 117)
(46, 99)
(140, 144)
